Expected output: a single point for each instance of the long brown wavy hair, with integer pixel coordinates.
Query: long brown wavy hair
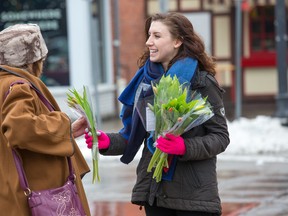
(192, 45)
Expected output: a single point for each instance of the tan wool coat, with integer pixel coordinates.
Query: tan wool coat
(42, 138)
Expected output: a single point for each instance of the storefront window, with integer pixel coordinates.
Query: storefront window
(262, 31)
(50, 15)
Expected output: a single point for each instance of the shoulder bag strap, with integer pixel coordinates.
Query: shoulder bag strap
(22, 176)
(21, 173)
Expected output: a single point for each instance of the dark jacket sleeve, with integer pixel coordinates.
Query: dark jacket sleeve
(212, 137)
(117, 145)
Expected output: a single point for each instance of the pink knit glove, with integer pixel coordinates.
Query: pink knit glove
(171, 144)
(103, 139)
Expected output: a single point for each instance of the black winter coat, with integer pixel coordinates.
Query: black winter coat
(194, 186)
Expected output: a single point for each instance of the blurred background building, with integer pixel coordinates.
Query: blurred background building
(97, 43)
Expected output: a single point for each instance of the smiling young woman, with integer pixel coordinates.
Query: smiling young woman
(173, 48)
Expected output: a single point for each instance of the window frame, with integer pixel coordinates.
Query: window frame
(262, 57)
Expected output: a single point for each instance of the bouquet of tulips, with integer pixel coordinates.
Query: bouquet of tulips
(176, 110)
(82, 106)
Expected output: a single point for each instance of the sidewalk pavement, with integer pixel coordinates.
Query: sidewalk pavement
(254, 185)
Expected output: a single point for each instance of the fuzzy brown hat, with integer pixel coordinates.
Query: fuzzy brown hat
(21, 44)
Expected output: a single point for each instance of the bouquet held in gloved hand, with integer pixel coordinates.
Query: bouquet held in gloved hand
(176, 110)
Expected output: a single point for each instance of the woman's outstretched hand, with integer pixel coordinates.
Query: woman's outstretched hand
(103, 139)
(78, 127)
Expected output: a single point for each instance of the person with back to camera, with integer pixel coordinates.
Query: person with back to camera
(42, 138)
(173, 47)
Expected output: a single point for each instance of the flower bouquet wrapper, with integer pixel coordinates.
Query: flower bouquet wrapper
(81, 105)
(176, 110)
(145, 113)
